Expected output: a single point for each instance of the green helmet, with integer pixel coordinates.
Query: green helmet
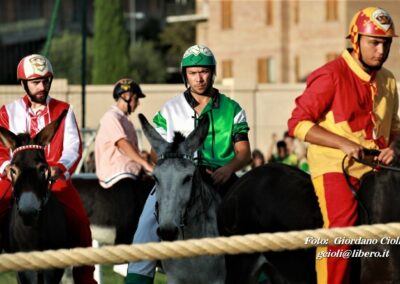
(198, 56)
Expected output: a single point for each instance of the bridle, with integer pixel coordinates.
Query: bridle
(373, 165)
(50, 180)
(27, 147)
(175, 156)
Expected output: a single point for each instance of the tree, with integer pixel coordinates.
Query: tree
(66, 57)
(146, 64)
(111, 42)
(177, 37)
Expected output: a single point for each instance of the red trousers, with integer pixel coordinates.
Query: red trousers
(77, 220)
(339, 209)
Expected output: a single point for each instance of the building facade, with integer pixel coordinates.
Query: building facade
(281, 41)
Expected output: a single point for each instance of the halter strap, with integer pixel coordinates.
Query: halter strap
(176, 155)
(27, 147)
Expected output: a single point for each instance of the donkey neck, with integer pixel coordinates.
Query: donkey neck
(201, 215)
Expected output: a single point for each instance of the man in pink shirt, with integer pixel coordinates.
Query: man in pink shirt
(119, 163)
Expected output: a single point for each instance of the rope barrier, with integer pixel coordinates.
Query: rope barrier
(195, 247)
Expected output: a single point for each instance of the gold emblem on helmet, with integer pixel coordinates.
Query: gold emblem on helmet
(125, 84)
(38, 63)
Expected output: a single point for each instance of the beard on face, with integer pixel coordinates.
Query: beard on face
(39, 97)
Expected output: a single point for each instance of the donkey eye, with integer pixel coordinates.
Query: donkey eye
(42, 169)
(187, 179)
(13, 173)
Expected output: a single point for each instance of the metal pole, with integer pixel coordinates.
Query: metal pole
(132, 19)
(54, 17)
(83, 66)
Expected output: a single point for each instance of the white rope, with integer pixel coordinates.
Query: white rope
(207, 246)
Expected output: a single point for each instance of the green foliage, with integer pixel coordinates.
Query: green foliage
(66, 57)
(108, 277)
(160, 278)
(177, 37)
(150, 30)
(110, 45)
(146, 64)
(9, 277)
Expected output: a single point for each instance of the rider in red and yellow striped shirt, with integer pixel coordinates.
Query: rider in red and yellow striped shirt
(349, 104)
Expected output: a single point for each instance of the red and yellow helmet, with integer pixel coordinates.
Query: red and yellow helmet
(371, 21)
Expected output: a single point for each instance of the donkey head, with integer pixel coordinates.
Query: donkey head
(29, 171)
(173, 174)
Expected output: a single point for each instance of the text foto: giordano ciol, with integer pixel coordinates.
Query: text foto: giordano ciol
(354, 241)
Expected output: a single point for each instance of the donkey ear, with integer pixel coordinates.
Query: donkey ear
(45, 136)
(156, 140)
(196, 137)
(8, 138)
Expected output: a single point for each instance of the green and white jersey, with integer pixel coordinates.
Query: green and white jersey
(228, 125)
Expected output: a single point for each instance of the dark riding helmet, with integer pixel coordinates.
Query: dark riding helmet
(127, 85)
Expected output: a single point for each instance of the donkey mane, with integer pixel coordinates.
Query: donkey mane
(177, 140)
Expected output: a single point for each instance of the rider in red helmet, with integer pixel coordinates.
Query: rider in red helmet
(349, 104)
(30, 114)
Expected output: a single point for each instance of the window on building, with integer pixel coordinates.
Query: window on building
(296, 11)
(226, 14)
(3, 10)
(269, 12)
(227, 70)
(266, 70)
(31, 10)
(77, 11)
(331, 56)
(331, 10)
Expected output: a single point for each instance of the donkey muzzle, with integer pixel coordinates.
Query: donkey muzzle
(29, 207)
(168, 233)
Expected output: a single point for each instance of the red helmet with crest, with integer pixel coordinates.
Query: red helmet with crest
(34, 66)
(370, 21)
